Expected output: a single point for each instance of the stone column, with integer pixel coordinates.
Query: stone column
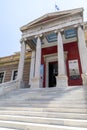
(21, 63)
(83, 54)
(32, 67)
(61, 78)
(36, 80)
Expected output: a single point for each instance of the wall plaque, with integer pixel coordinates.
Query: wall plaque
(73, 69)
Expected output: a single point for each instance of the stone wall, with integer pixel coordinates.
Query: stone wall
(10, 63)
(8, 71)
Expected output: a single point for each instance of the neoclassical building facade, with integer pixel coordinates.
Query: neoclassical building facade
(58, 50)
(53, 51)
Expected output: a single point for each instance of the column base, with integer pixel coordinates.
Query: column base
(62, 81)
(35, 83)
(22, 84)
(84, 79)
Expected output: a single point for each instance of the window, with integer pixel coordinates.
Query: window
(1, 77)
(70, 33)
(14, 75)
(51, 37)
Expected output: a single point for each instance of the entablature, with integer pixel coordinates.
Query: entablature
(58, 26)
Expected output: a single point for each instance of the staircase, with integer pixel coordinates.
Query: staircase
(44, 109)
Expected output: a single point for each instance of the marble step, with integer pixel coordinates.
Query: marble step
(47, 105)
(49, 90)
(47, 97)
(53, 108)
(45, 120)
(35, 126)
(17, 92)
(50, 109)
(46, 114)
(3, 128)
(80, 103)
(53, 100)
(46, 91)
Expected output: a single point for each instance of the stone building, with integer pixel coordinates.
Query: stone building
(9, 67)
(57, 52)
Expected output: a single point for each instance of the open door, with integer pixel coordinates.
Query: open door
(53, 72)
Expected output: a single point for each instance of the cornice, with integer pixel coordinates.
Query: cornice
(13, 59)
(51, 17)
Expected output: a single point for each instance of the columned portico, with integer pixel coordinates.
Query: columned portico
(21, 63)
(69, 71)
(83, 54)
(61, 78)
(35, 82)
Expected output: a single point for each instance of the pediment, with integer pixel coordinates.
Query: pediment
(50, 16)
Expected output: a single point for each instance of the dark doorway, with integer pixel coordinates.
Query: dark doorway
(53, 72)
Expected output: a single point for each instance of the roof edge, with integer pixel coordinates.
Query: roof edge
(50, 14)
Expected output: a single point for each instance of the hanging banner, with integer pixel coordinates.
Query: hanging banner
(41, 75)
(73, 69)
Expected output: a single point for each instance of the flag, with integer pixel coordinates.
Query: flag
(56, 7)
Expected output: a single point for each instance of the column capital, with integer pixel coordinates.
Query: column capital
(82, 27)
(79, 25)
(23, 40)
(40, 35)
(58, 30)
(75, 26)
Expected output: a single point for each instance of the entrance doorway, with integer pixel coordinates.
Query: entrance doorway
(53, 72)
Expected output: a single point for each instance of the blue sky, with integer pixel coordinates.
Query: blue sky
(16, 13)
